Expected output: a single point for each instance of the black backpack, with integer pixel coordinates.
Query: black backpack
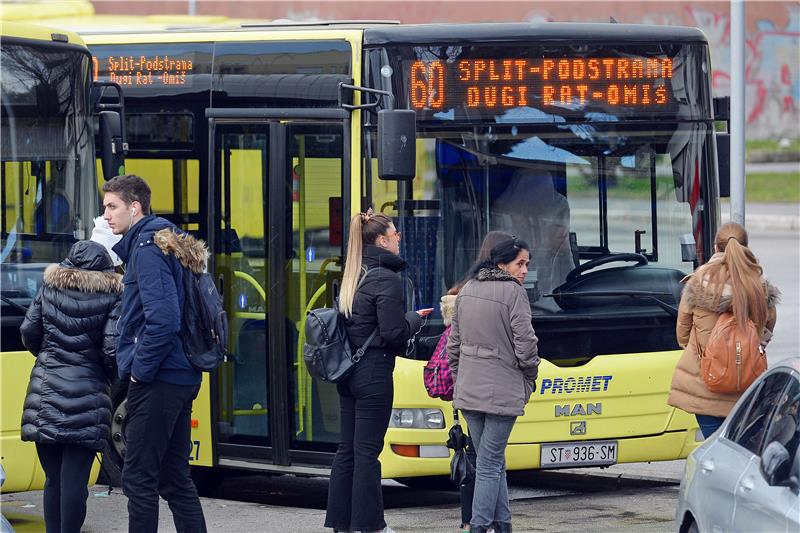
(204, 323)
(327, 352)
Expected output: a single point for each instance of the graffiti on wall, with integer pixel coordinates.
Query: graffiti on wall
(772, 70)
(772, 64)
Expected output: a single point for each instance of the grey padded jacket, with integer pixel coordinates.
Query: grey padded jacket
(492, 347)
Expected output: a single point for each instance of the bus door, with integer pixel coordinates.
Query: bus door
(275, 213)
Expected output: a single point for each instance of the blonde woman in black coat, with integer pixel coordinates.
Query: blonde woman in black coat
(71, 329)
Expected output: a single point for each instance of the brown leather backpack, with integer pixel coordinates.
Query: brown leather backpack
(733, 357)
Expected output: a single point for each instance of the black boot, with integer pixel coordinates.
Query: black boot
(502, 527)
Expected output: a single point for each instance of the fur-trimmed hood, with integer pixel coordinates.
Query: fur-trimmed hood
(494, 274)
(447, 305)
(698, 293)
(62, 277)
(191, 252)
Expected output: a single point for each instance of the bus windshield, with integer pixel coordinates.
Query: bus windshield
(47, 149)
(580, 196)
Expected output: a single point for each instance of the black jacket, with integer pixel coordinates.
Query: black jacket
(71, 329)
(379, 302)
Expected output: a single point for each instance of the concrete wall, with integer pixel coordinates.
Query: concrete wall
(773, 35)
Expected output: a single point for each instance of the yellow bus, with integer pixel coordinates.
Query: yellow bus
(593, 142)
(49, 197)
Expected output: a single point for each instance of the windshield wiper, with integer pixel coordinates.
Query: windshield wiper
(645, 295)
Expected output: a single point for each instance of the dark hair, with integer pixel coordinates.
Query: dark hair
(504, 252)
(130, 188)
(492, 239)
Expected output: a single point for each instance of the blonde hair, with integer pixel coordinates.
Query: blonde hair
(365, 228)
(739, 268)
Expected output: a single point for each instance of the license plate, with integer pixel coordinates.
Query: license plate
(594, 453)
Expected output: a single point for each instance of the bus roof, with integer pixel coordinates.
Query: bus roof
(416, 34)
(378, 33)
(31, 11)
(36, 32)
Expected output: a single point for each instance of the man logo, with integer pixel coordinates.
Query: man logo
(577, 428)
(579, 409)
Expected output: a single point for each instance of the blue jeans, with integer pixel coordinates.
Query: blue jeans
(709, 424)
(490, 436)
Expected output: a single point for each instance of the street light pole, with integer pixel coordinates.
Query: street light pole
(737, 112)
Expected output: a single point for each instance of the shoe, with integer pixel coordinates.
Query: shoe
(502, 527)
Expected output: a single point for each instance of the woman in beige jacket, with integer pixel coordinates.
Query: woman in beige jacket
(492, 351)
(731, 281)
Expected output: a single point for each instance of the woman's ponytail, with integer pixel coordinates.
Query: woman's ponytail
(352, 267)
(740, 268)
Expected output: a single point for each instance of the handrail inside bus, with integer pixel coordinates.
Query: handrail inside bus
(252, 281)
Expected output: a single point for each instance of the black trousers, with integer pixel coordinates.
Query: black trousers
(157, 457)
(355, 501)
(66, 469)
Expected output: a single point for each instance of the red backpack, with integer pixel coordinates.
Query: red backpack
(436, 374)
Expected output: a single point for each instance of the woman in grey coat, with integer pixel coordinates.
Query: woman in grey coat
(493, 356)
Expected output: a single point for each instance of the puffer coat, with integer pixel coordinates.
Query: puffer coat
(697, 315)
(379, 303)
(71, 329)
(492, 349)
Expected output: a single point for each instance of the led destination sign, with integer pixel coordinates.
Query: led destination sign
(145, 70)
(501, 84)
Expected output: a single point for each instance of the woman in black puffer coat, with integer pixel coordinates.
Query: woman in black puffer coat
(371, 299)
(71, 329)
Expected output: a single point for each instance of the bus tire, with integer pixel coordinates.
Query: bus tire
(114, 454)
(428, 483)
(206, 479)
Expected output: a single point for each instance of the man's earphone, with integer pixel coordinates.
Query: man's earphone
(133, 212)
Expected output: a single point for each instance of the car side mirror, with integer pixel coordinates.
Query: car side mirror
(775, 463)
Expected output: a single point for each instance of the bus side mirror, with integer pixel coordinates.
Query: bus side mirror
(397, 144)
(724, 163)
(112, 149)
(688, 248)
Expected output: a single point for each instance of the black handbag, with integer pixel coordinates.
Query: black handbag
(462, 471)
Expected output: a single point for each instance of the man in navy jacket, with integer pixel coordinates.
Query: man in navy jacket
(150, 355)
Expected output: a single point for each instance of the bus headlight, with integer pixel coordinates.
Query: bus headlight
(417, 418)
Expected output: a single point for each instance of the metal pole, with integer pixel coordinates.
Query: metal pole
(192, 7)
(737, 111)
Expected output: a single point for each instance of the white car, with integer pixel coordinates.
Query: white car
(746, 476)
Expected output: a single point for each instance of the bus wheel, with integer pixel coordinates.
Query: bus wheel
(207, 479)
(114, 455)
(428, 483)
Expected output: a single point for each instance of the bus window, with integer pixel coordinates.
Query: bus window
(46, 151)
(616, 193)
(315, 268)
(175, 185)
